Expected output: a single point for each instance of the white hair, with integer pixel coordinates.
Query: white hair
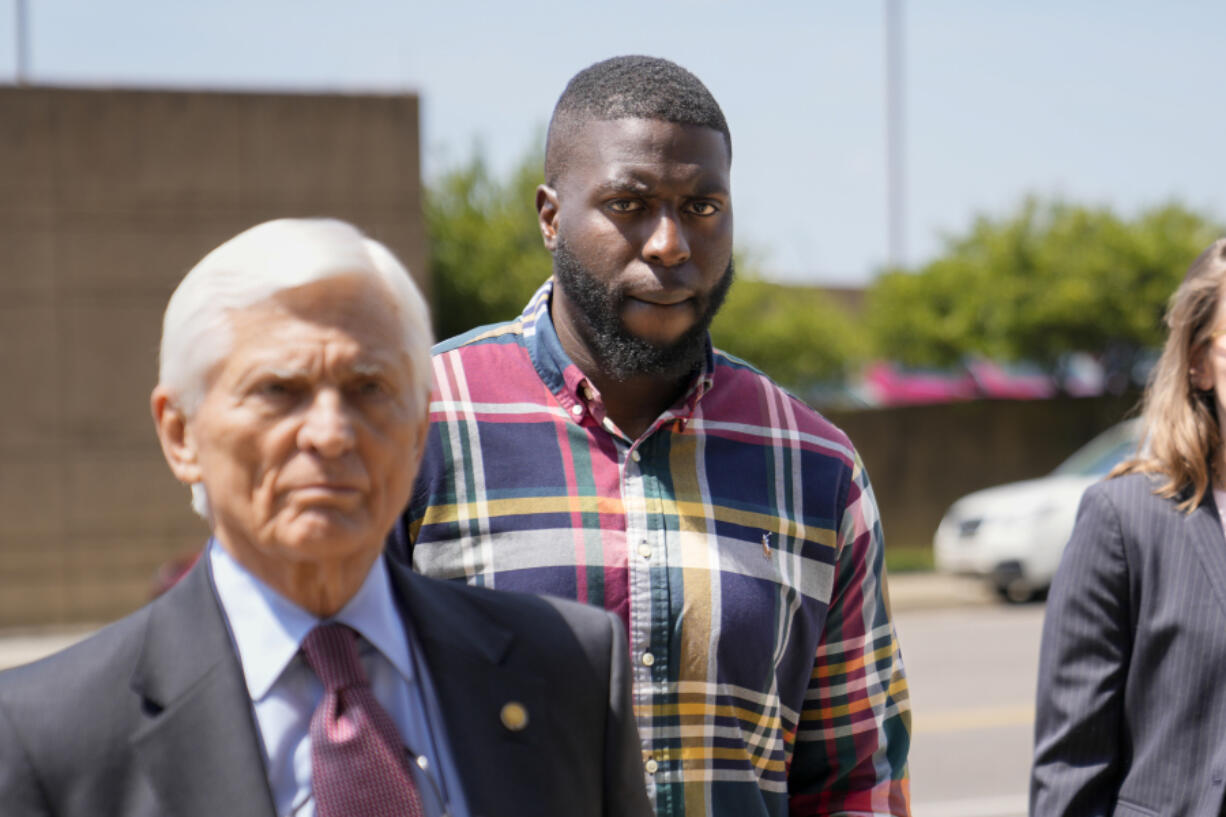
(256, 265)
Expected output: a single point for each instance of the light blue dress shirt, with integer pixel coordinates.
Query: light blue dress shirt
(267, 630)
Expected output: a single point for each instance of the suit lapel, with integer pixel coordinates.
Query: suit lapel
(1205, 531)
(469, 659)
(199, 745)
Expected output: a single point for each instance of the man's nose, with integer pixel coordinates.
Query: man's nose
(667, 246)
(327, 427)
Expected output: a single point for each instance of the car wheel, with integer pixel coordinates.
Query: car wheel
(1018, 591)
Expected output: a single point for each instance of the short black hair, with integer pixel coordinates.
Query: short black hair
(632, 87)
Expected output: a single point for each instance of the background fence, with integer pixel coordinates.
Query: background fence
(922, 458)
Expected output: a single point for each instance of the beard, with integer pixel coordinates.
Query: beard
(619, 353)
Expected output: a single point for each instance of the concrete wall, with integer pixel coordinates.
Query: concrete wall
(106, 199)
(922, 458)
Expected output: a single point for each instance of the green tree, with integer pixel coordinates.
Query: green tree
(792, 333)
(486, 256)
(1049, 279)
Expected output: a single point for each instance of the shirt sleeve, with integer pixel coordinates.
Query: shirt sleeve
(850, 756)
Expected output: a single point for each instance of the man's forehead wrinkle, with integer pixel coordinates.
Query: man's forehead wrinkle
(294, 355)
(251, 362)
(380, 365)
(287, 372)
(362, 363)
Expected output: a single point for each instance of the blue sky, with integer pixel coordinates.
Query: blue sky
(1114, 103)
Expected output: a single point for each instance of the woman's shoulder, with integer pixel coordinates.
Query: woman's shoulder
(1135, 494)
(1132, 483)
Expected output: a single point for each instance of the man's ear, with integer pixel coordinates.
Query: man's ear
(178, 446)
(547, 215)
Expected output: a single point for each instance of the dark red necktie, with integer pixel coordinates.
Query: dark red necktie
(358, 762)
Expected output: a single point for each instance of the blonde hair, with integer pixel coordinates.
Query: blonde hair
(1180, 436)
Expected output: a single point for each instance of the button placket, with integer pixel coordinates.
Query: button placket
(640, 580)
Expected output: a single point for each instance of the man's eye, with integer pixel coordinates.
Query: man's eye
(371, 387)
(703, 208)
(275, 388)
(625, 205)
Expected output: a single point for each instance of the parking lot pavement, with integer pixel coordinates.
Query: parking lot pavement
(931, 590)
(972, 674)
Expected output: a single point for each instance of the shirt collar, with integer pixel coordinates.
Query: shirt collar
(268, 628)
(567, 381)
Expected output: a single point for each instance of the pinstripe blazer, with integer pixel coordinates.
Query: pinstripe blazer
(1131, 716)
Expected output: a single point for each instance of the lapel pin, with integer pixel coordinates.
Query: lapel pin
(514, 716)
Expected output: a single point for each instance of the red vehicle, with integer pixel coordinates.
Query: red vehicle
(1010, 381)
(891, 384)
(885, 383)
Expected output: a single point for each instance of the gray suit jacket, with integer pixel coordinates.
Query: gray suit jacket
(1131, 715)
(150, 716)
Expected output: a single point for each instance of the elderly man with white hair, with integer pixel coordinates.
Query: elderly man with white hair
(295, 670)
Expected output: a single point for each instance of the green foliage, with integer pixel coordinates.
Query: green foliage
(1050, 279)
(792, 333)
(912, 559)
(486, 256)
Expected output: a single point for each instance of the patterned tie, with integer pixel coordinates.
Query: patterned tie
(358, 764)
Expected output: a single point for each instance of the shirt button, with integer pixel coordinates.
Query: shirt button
(576, 410)
(651, 765)
(645, 550)
(648, 659)
(635, 455)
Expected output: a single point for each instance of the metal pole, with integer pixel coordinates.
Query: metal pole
(896, 192)
(21, 32)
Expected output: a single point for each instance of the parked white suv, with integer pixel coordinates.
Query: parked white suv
(1013, 535)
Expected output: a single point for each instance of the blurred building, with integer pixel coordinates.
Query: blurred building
(107, 198)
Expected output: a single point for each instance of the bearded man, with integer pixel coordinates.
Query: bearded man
(597, 447)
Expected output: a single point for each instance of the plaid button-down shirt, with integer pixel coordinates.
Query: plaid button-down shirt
(738, 538)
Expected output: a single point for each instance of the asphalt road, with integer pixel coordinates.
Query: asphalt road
(972, 678)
